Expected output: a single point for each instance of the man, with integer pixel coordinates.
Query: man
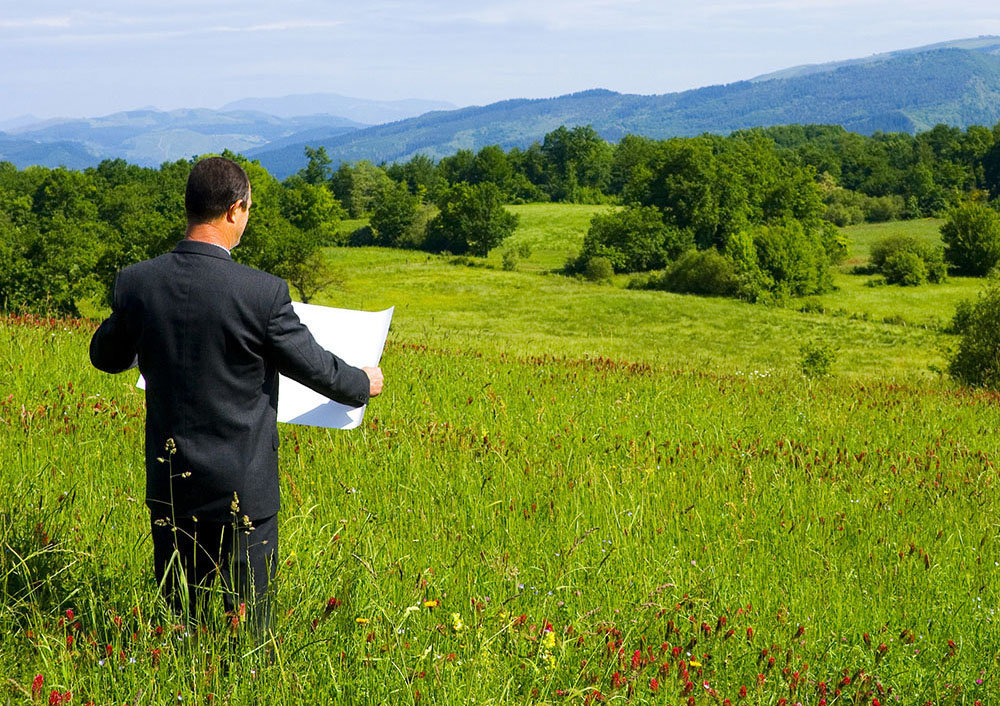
(210, 337)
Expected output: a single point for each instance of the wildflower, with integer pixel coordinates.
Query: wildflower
(456, 622)
(549, 641)
(332, 604)
(36, 687)
(692, 663)
(654, 685)
(361, 621)
(430, 604)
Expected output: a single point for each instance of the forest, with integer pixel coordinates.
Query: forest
(752, 215)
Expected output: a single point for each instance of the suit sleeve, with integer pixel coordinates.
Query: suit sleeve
(113, 346)
(298, 356)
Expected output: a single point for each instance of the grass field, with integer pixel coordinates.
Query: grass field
(569, 493)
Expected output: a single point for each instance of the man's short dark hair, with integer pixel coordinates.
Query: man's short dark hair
(215, 184)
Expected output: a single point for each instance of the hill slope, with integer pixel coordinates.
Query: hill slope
(906, 91)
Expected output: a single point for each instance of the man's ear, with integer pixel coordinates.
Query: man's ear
(231, 213)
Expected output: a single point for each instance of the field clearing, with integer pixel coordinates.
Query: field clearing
(865, 235)
(553, 231)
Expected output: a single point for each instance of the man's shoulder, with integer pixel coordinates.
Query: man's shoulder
(165, 263)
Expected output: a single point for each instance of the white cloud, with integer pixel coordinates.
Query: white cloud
(61, 22)
(155, 34)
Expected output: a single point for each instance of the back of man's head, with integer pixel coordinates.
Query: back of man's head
(215, 184)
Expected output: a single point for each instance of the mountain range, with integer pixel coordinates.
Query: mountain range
(956, 83)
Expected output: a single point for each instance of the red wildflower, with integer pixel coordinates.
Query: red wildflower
(36, 687)
(636, 659)
(654, 685)
(69, 614)
(749, 633)
(69, 642)
(743, 691)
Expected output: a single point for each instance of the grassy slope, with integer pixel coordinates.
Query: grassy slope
(501, 481)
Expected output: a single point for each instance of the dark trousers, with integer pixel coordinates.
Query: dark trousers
(188, 554)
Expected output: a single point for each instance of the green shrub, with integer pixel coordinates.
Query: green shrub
(884, 208)
(885, 247)
(700, 272)
(598, 269)
(971, 235)
(904, 268)
(633, 239)
(817, 358)
(962, 317)
(976, 360)
(791, 260)
(901, 250)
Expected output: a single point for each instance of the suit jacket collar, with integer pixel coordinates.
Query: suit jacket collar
(199, 248)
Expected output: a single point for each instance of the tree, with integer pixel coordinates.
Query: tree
(971, 236)
(311, 208)
(357, 186)
(472, 219)
(578, 160)
(317, 171)
(393, 217)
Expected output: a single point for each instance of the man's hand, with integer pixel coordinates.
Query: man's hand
(374, 381)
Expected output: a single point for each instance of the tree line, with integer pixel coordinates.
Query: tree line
(750, 215)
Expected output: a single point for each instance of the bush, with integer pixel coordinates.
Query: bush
(700, 272)
(791, 260)
(598, 269)
(971, 235)
(817, 359)
(900, 251)
(633, 239)
(904, 268)
(976, 361)
(885, 247)
(884, 208)
(962, 318)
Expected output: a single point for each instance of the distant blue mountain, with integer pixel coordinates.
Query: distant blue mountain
(956, 83)
(149, 137)
(361, 110)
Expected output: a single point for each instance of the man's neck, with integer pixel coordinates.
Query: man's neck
(208, 233)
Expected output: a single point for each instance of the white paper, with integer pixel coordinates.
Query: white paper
(357, 337)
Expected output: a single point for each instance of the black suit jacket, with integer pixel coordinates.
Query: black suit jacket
(210, 337)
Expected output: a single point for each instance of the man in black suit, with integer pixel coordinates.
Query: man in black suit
(210, 337)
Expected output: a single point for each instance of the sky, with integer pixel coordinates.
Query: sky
(57, 59)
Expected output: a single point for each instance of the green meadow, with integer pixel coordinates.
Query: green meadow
(568, 493)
